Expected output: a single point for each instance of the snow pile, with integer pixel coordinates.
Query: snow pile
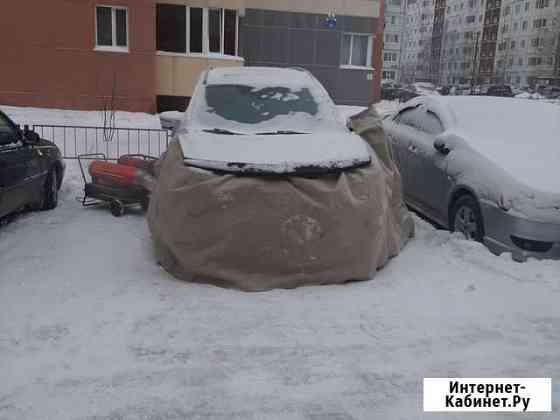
(425, 88)
(91, 327)
(527, 95)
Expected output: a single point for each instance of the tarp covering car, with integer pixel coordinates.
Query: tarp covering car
(257, 233)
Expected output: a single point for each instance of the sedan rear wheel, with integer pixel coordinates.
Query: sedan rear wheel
(467, 218)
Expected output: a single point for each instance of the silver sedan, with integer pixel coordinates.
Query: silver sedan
(486, 167)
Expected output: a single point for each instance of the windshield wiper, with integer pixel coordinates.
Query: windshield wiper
(279, 132)
(221, 131)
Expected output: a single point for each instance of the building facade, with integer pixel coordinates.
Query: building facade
(417, 48)
(528, 51)
(395, 13)
(516, 42)
(147, 55)
(64, 55)
(462, 42)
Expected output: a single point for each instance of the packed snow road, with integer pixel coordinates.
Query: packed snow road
(92, 328)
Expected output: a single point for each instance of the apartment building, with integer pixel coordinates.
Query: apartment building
(146, 55)
(438, 38)
(395, 14)
(528, 49)
(417, 48)
(462, 41)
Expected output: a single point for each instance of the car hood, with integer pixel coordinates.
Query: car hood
(318, 152)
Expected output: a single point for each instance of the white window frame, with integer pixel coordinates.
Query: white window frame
(114, 47)
(349, 65)
(206, 36)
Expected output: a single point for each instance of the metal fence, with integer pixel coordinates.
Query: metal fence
(113, 142)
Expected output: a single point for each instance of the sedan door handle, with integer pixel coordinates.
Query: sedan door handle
(413, 149)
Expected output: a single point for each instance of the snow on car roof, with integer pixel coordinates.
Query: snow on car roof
(521, 136)
(259, 77)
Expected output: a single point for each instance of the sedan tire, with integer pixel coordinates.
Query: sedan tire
(466, 218)
(50, 191)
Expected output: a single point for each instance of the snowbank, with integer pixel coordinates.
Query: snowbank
(527, 95)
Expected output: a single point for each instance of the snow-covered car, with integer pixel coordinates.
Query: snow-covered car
(487, 167)
(250, 121)
(31, 169)
(264, 186)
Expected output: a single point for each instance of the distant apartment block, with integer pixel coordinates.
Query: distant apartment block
(417, 48)
(528, 49)
(395, 26)
(455, 42)
(462, 40)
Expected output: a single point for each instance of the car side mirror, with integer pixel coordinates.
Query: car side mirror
(30, 136)
(441, 147)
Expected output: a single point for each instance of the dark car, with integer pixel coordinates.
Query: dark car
(407, 93)
(31, 169)
(551, 92)
(500, 90)
(390, 91)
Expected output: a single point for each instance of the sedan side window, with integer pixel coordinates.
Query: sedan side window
(7, 132)
(422, 120)
(412, 117)
(432, 124)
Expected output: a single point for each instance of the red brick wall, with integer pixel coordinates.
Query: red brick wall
(48, 57)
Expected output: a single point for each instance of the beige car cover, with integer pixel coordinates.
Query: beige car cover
(258, 233)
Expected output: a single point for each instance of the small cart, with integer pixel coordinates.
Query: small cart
(120, 185)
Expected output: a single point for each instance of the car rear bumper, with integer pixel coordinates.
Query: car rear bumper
(503, 228)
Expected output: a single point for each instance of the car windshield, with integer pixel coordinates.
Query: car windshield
(250, 105)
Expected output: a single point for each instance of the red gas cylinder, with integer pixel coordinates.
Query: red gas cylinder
(114, 174)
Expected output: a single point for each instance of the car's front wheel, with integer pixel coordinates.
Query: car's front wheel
(466, 218)
(50, 191)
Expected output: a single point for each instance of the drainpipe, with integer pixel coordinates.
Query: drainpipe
(378, 52)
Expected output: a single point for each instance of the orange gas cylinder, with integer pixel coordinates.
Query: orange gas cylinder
(114, 174)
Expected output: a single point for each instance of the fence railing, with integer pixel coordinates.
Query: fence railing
(113, 142)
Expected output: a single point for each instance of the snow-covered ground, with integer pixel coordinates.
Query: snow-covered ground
(92, 328)
(81, 132)
(29, 115)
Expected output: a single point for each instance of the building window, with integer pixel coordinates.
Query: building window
(356, 50)
(196, 27)
(392, 38)
(195, 30)
(174, 19)
(539, 23)
(389, 75)
(111, 27)
(389, 57)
